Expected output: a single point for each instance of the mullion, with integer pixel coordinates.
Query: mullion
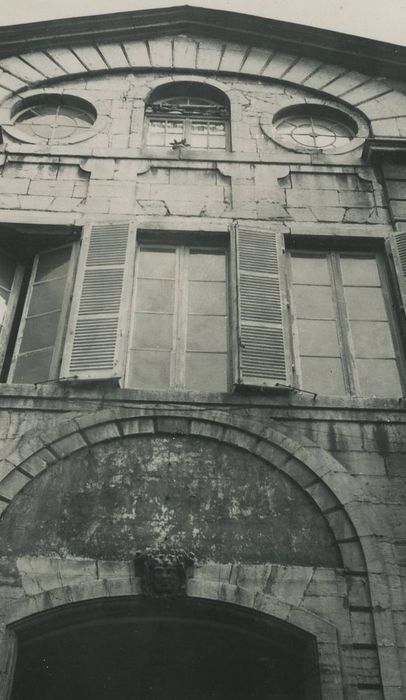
(343, 326)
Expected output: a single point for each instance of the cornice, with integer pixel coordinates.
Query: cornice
(373, 57)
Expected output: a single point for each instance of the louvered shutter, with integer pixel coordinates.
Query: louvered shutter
(102, 293)
(260, 314)
(398, 247)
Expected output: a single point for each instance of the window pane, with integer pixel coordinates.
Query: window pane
(379, 378)
(323, 375)
(318, 338)
(207, 298)
(149, 369)
(40, 331)
(206, 372)
(372, 339)
(207, 266)
(313, 302)
(159, 264)
(365, 304)
(309, 270)
(155, 295)
(153, 331)
(200, 128)
(199, 141)
(46, 296)
(53, 264)
(359, 272)
(33, 367)
(208, 333)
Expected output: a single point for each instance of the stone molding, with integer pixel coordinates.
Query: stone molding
(373, 97)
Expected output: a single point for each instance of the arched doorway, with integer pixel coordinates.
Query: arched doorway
(126, 648)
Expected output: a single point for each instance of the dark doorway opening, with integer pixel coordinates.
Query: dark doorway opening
(129, 648)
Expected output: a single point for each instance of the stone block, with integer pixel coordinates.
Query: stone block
(66, 59)
(184, 52)
(362, 462)
(310, 198)
(13, 186)
(43, 63)
(301, 70)
(232, 58)
(135, 426)
(396, 464)
(100, 433)
(20, 69)
(161, 52)
(11, 82)
(346, 83)
(324, 75)
(97, 205)
(356, 199)
(369, 91)
(279, 65)
(69, 444)
(301, 214)
(9, 201)
(256, 61)
(12, 484)
(52, 188)
(137, 53)
(34, 202)
(208, 55)
(66, 204)
(322, 496)
(376, 215)
(90, 57)
(329, 214)
(113, 55)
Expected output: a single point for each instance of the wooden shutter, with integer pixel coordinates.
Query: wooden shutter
(38, 346)
(11, 277)
(398, 248)
(260, 314)
(98, 319)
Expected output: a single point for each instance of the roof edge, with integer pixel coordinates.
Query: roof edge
(368, 55)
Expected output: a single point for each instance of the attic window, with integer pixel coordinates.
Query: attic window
(194, 115)
(314, 128)
(54, 119)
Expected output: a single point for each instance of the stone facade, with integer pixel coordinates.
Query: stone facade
(292, 502)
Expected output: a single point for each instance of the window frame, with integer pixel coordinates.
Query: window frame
(184, 89)
(63, 316)
(312, 248)
(182, 242)
(25, 253)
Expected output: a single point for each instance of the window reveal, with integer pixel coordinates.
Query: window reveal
(343, 334)
(180, 321)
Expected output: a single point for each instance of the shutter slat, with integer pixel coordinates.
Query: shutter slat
(262, 351)
(94, 344)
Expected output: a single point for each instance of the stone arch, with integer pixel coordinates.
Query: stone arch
(202, 589)
(384, 107)
(323, 478)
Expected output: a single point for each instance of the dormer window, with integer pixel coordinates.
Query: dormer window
(192, 114)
